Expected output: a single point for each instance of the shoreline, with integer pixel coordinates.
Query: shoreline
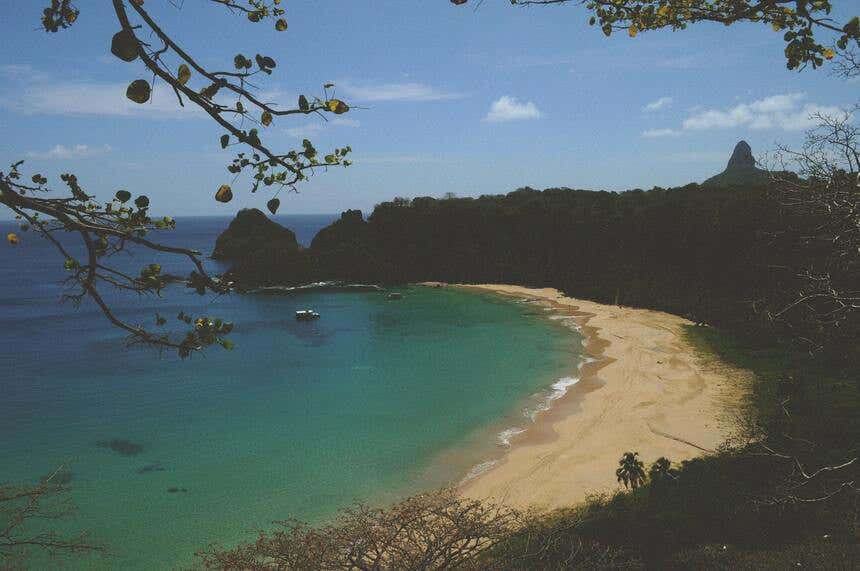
(642, 387)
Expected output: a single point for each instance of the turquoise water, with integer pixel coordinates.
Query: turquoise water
(375, 400)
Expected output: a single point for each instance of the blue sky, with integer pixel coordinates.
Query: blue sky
(453, 100)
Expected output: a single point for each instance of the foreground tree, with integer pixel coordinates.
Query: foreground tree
(105, 228)
(439, 530)
(825, 198)
(798, 20)
(23, 512)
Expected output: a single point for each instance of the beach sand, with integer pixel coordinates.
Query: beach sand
(647, 390)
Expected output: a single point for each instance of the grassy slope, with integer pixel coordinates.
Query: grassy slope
(715, 515)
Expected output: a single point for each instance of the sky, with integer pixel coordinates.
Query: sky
(445, 99)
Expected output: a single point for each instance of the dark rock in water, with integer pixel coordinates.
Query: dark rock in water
(124, 447)
(741, 170)
(340, 252)
(346, 250)
(250, 232)
(154, 467)
(349, 229)
(272, 265)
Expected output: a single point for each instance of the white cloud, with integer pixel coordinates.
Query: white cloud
(661, 103)
(507, 108)
(61, 152)
(26, 90)
(654, 133)
(396, 159)
(310, 129)
(679, 62)
(394, 92)
(693, 157)
(785, 112)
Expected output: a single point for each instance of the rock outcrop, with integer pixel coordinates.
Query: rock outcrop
(252, 232)
(741, 170)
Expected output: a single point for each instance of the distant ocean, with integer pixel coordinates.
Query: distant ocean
(375, 400)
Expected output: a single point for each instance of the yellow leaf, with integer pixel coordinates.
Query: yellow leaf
(664, 11)
(266, 119)
(776, 26)
(12, 238)
(281, 25)
(337, 106)
(184, 74)
(828, 53)
(632, 31)
(224, 194)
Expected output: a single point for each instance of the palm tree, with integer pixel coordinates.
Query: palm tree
(662, 470)
(631, 471)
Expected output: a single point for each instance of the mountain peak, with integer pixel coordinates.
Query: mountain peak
(741, 170)
(742, 158)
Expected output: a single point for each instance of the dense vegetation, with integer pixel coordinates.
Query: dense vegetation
(725, 256)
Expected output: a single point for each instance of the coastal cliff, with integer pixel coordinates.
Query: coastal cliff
(701, 252)
(250, 232)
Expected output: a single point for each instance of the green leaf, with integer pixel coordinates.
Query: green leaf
(124, 46)
(138, 91)
(183, 75)
(225, 140)
(123, 195)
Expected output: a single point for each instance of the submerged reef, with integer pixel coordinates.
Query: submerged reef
(124, 447)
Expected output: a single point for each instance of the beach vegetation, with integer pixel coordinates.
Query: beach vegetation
(631, 470)
(661, 470)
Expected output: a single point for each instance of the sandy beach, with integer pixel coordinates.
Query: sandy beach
(646, 390)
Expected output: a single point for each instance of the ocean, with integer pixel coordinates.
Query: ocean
(375, 400)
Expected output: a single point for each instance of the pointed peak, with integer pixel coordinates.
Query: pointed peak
(741, 169)
(742, 157)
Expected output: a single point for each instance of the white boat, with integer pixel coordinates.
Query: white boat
(307, 315)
